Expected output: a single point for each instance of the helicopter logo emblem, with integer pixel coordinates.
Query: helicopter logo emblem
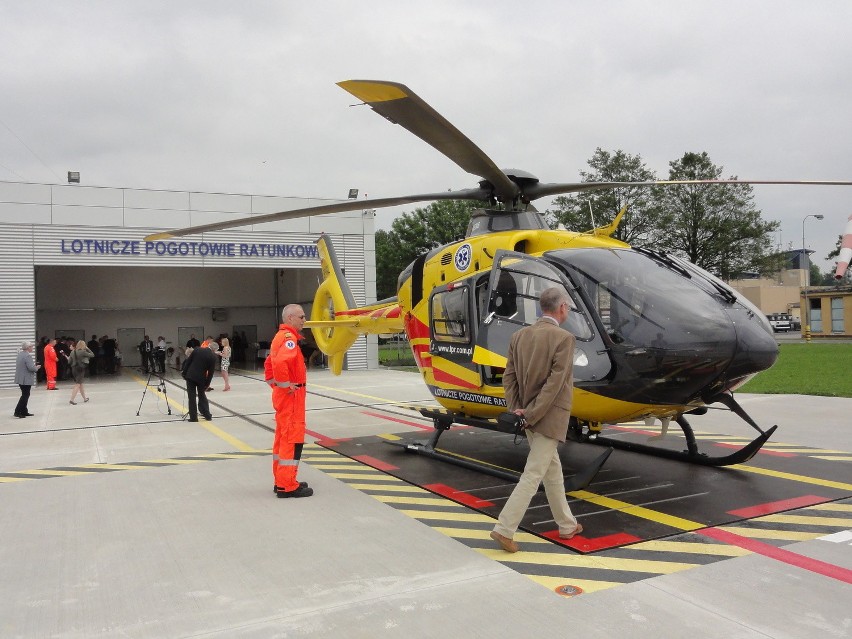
(463, 257)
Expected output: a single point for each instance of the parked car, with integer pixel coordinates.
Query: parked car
(781, 322)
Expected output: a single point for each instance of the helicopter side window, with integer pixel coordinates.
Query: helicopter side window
(518, 289)
(449, 315)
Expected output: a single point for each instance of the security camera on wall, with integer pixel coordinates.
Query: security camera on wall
(220, 314)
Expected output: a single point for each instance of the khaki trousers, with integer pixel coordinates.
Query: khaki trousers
(542, 465)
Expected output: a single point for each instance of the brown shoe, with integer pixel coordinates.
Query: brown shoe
(509, 545)
(576, 531)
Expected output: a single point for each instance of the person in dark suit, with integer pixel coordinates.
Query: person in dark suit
(146, 349)
(539, 384)
(198, 370)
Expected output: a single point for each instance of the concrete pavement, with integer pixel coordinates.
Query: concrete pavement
(115, 525)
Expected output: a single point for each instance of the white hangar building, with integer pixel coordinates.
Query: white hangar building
(74, 263)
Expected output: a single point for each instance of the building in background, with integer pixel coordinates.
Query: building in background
(75, 264)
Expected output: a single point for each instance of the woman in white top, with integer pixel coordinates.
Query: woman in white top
(225, 354)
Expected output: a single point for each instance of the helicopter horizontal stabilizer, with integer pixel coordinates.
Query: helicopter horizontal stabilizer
(336, 319)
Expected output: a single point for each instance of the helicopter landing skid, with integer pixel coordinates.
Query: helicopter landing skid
(442, 422)
(691, 454)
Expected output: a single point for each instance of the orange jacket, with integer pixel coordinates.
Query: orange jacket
(285, 366)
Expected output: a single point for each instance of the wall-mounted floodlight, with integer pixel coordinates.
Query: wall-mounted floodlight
(73, 177)
(353, 194)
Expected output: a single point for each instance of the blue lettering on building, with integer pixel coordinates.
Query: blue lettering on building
(81, 246)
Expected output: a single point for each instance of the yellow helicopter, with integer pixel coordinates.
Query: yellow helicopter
(657, 337)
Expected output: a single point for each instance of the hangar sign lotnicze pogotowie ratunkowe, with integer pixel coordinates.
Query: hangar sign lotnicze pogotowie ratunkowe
(160, 248)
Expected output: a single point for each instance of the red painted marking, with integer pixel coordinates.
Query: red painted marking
(779, 506)
(458, 495)
(325, 440)
(587, 544)
(378, 464)
(774, 453)
(396, 419)
(779, 554)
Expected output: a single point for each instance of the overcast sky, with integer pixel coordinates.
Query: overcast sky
(240, 97)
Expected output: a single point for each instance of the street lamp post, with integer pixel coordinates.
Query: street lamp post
(806, 311)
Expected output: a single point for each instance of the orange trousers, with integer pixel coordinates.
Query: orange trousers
(50, 374)
(289, 439)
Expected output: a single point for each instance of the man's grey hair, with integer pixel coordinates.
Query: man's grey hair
(551, 299)
(288, 310)
(25, 345)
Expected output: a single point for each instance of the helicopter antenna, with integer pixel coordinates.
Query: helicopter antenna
(591, 213)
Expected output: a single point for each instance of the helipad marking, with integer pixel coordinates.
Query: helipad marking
(814, 565)
(793, 477)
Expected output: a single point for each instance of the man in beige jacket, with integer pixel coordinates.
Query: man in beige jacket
(538, 381)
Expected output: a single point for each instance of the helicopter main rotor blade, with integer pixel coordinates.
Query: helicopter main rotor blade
(402, 106)
(337, 207)
(535, 191)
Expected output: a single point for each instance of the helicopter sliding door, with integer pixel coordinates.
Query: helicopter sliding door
(510, 302)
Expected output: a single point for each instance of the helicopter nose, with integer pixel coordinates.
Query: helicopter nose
(756, 348)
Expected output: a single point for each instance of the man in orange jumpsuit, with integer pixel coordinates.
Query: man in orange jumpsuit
(286, 373)
(50, 359)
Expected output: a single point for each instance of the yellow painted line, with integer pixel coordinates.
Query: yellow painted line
(844, 508)
(422, 501)
(466, 533)
(68, 473)
(834, 458)
(225, 456)
(398, 488)
(843, 522)
(588, 585)
(176, 461)
(9, 480)
(824, 451)
(692, 548)
(756, 533)
(793, 477)
(353, 393)
(461, 514)
(340, 465)
(390, 437)
(208, 426)
(638, 511)
(111, 466)
(585, 561)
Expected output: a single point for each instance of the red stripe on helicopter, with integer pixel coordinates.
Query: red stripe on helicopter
(814, 565)
(779, 506)
(443, 376)
(458, 495)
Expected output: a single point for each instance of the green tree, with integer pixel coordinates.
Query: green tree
(415, 233)
(640, 221)
(716, 227)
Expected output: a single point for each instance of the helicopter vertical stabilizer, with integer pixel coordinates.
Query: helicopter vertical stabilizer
(336, 319)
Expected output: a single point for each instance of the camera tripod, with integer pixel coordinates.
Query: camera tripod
(160, 386)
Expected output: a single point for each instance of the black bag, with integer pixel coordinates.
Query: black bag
(516, 422)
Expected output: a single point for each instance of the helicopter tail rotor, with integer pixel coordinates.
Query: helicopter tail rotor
(336, 319)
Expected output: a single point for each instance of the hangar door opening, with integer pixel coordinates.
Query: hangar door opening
(159, 301)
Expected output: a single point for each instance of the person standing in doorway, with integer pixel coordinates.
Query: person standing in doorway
(539, 384)
(25, 377)
(79, 361)
(50, 359)
(285, 371)
(198, 370)
(225, 354)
